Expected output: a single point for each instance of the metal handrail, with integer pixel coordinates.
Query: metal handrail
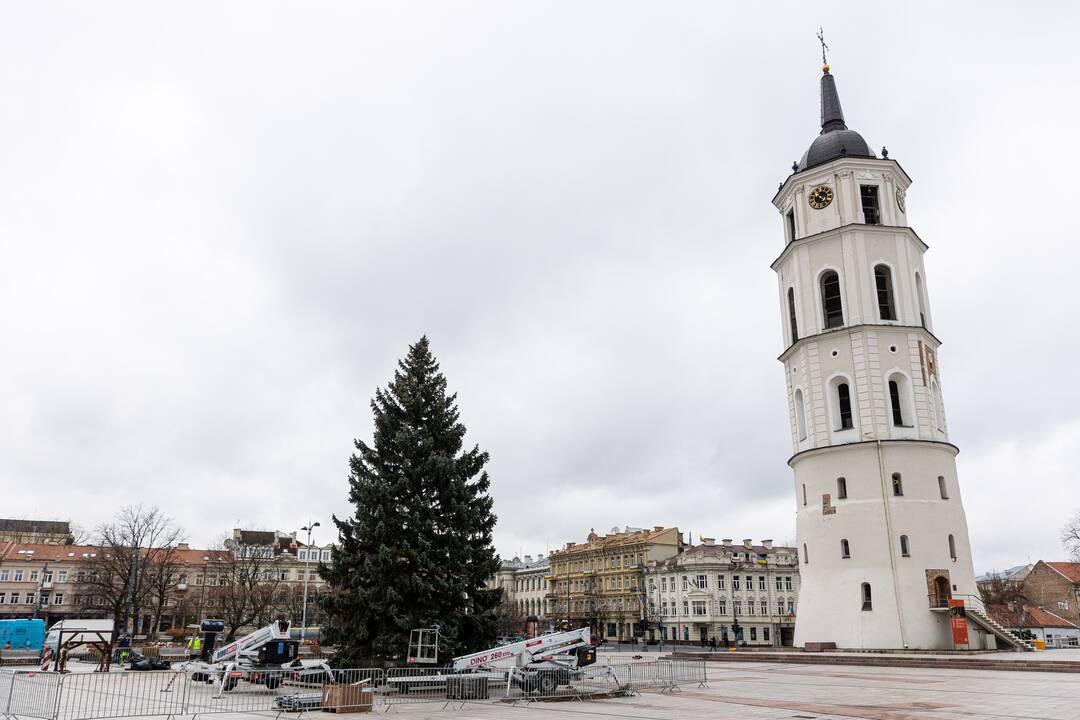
(971, 602)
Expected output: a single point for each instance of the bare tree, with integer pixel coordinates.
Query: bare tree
(1070, 537)
(162, 576)
(1005, 598)
(133, 553)
(289, 603)
(243, 582)
(510, 618)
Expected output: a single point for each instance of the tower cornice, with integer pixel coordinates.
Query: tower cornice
(785, 186)
(833, 232)
(782, 357)
(948, 447)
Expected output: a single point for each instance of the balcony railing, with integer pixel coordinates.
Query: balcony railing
(971, 602)
(938, 602)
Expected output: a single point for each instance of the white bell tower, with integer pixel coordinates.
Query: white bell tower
(882, 535)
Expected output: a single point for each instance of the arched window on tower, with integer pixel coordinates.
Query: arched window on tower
(901, 401)
(867, 598)
(939, 410)
(894, 400)
(805, 555)
(845, 549)
(883, 282)
(843, 404)
(841, 488)
(904, 550)
(942, 488)
(897, 485)
(952, 548)
(832, 306)
(920, 299)
(800, 415)
(791, 315)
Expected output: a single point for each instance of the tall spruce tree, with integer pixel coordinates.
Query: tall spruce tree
(417, 551)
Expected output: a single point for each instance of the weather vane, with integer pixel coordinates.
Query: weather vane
(824, 47)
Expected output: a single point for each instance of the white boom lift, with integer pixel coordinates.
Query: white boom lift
(542, 663)
(261, 657)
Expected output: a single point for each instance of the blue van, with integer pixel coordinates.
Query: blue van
(22, 634)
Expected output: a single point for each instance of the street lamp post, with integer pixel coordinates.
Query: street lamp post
(307, 559)
(41, 589)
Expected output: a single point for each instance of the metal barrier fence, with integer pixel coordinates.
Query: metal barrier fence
(31, 694)
(118, 694)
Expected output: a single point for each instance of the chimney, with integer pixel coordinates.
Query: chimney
(708, 541)
(726, 541)
(767, 544)
(182, 546)
(657, 528)
(748, 543)
(528, 558)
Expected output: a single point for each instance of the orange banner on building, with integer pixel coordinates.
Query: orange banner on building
(959, 622)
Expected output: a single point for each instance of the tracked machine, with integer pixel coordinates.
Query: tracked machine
(541, 664)
(264, 657)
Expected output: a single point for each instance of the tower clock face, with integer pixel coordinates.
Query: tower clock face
(820, 197)
(900, 202)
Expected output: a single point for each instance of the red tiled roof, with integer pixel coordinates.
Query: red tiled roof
(1070, 570)
(44, 551)
(41, 551)
(1045, 618)
(1033, 617)
(199, 557)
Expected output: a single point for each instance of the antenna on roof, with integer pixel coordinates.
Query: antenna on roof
(824, 47)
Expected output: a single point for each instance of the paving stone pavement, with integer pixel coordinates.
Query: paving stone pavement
(822, 692)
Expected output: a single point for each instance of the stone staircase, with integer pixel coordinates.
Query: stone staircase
(983, 619)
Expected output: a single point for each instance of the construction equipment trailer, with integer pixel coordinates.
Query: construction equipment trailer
(540, 664)
(262, 657)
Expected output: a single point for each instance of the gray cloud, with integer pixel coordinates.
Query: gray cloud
(223, 225)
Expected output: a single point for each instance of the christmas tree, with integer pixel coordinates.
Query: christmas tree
(417, 551)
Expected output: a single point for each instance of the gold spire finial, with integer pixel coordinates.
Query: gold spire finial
(824, 47)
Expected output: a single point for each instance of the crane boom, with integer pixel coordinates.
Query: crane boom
(252, 641)
(525, 652)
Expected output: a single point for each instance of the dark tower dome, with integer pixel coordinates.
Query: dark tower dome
(835, 140)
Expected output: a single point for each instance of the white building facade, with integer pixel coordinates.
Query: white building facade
(882, 536)
(531, 587)
(733, 593)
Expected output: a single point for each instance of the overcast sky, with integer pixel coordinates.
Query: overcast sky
(223, 223)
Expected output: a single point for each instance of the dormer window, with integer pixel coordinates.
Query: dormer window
(870, 207)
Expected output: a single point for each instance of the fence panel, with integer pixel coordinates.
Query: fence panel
(31, 693)
(662, 674)
(687, 672)
(249, 691)
(345, 690)
(6, 678)
(438, 684)
(85, 696)
(103, 696)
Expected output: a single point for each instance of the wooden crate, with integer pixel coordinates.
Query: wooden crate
(351, 698)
